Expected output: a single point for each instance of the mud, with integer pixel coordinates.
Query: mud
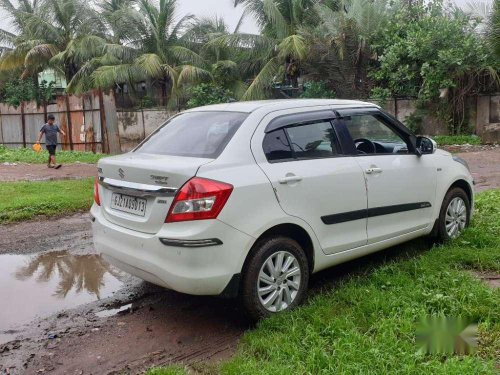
(82, 316)
(37, 172)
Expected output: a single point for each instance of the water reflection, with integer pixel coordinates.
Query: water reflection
(44, 284)
(83, 272)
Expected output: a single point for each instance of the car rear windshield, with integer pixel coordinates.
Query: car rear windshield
(194, 134)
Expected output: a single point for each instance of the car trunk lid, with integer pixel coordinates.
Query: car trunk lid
(136, 190)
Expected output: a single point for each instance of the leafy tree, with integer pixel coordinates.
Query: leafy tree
(318, 89)
(432, 52)
(16, 91)
(208, 93)
(494, 28)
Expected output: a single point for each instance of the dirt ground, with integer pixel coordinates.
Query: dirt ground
(39, 172)
(139, 325)
(485, 167)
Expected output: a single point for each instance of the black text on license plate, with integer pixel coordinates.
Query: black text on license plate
(131, 205)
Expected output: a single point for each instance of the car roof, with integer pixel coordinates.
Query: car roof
(281, 104)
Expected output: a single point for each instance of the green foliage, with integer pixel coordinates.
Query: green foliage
(425, 49)
(172, 370)
(446, 140)
(147, 102)
(27, 200)
(208, 93)
(26, 155)
(16, 91)
(317, 89)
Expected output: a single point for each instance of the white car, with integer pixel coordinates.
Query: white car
(252, 198)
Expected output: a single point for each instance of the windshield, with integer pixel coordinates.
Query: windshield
(194, 134)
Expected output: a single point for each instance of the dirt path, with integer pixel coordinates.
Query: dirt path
(38, 172)
(485, 167)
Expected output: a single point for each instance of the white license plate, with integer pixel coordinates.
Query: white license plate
(131, 205)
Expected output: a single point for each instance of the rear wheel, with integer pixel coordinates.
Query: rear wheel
(276, 277)
(454, 216)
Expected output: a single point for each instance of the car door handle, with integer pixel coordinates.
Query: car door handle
(289, 179)
(373, 170)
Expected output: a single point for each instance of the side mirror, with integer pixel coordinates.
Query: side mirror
(426, 145)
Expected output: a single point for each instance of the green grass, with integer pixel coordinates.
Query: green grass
(26, 200)
(27, 155)
(447, 140)
(366, 322)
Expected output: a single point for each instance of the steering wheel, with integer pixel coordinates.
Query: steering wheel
(365, 146)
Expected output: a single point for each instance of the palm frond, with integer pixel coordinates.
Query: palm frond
(151, 64)
(193, 74)
(263, 81)
(294, 46)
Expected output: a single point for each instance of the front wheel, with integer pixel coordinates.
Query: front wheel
(275, 278)
(455, 215)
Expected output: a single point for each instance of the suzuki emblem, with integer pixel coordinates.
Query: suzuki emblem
(121, 172)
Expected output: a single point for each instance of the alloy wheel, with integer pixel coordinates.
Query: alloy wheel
(279, 281)
(456, 217)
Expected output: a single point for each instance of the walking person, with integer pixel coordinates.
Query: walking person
(50, 129)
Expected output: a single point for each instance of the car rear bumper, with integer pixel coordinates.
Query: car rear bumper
(178, 263)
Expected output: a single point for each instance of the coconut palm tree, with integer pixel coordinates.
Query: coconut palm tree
(222, 60)
(339, 43)
(264, 56)
(15, 45)
(159, 55)
(46, 30)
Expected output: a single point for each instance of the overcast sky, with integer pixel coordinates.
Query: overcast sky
(222, 8)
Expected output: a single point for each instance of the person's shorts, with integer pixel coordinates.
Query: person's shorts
(51, 150)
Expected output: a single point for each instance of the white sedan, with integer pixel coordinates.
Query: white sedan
(252, 198)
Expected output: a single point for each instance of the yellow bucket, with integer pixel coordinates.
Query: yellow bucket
(37, 148)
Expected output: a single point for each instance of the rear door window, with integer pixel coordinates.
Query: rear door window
(313, 141)
(276, 146)
(194, 134)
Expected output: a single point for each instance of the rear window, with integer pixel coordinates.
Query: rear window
(195, 134)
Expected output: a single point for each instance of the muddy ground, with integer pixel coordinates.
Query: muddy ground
(40, 172)
(82, 316)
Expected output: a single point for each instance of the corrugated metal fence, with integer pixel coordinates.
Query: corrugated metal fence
(89, 121)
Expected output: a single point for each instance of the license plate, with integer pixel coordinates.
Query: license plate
(128, 204)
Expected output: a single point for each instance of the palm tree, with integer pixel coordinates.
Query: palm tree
(159, 54)
(48, 33)
(222, 60)
(339, 44)
(15, 45)
(264, 55)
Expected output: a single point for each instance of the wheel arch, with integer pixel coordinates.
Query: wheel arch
(290, 230)
(465, 186)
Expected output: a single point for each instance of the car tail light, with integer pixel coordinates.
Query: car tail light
(199, 199)
(97, 200)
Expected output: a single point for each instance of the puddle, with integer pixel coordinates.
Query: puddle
(40, 285)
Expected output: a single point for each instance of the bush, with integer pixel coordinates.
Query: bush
(208, 93)
(317, 90)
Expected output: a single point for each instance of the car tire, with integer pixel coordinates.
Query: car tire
(267, 287)
(454, 216)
